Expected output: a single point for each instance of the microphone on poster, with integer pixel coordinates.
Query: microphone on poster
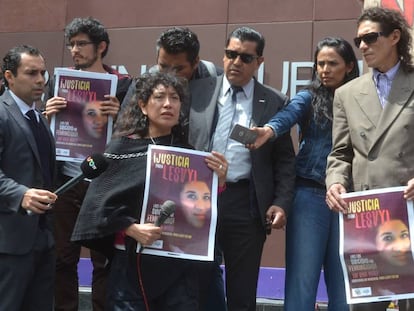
(93, 166)
(167, 208)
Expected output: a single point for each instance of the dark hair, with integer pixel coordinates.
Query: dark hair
(177, 40)
(13, 59)
(131, 119)
(323, 96)
(2, 86)
(248, 34)
(389, 20)
(90, 27)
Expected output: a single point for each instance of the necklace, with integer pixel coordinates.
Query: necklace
(155, 143)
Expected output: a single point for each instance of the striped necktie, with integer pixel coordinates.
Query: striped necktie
(224, 123)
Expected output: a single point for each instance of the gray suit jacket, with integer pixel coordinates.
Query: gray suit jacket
(372, 147)
(273, 165)
(19, 170)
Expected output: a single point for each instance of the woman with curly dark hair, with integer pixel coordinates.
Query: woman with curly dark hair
(110, 214)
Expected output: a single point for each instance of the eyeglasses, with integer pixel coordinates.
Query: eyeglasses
(79, 44)
(368, 38)
(245, 58)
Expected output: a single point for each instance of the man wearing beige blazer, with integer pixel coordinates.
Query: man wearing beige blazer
(373, 126)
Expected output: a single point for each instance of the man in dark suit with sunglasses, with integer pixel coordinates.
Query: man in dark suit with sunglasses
(373, 119)
(259, 182)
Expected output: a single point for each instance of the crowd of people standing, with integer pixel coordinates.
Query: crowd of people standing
(354, 135)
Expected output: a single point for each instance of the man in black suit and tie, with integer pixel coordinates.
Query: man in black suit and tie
(27, 167)
(259, 182)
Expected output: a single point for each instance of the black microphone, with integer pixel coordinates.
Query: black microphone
(167, 208)
(93, 166)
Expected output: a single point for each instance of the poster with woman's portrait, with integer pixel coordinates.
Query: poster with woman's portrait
(180, 178)
(81, 129)
(375, 246)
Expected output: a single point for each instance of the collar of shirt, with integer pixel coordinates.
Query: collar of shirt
(24, 108)
(226, 92)
(390, 74)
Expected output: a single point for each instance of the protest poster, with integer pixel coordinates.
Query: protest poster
(375, 246)
(182, 176)
(81, 129)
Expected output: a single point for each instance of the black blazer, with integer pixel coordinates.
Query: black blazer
(273, 165)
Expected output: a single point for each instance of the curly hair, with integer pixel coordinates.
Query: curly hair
(323, 96)
(132, 120)
(390, 20)
(178, 40)
(90, 27)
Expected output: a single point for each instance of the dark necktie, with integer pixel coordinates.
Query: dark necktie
(225, 120)
(32, 117)
(44, 146)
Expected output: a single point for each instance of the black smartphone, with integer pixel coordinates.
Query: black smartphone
(243, 134)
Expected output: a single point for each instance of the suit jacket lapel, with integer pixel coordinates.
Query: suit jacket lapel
(400, 93)
(368, 100)
(23, 124)
(211, 111)
(259, 104)
(204, 98)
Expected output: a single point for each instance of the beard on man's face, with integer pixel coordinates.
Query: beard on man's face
(83, 63)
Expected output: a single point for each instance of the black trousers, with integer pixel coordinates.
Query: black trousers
(26, 281)
(66, 210)
(241, 236)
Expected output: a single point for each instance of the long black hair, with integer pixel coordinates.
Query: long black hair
(322, 96)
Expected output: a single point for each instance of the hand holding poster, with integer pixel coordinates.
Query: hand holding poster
(182, 176)
(375, 246)
(81, 129)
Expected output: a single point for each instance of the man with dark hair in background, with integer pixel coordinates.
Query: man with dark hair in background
(2, 87)
(373, 119)
(178, 51)
(259, 182)
(27, 169)
(88, 43)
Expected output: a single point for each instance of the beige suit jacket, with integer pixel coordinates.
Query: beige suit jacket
(372, 147)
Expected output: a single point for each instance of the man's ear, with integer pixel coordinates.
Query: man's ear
(101, 48)
(395, 36)
(8, 75)
(259, 61)
(196, 62)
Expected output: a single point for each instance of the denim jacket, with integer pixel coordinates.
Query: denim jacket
(316, 141)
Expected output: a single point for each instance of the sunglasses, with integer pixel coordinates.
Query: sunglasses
(368, 38)
(245, 58)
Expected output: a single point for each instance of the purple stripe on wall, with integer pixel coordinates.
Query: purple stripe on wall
(270, 285)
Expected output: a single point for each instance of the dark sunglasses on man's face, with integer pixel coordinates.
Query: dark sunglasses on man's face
(368, 38)
(245, 58)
